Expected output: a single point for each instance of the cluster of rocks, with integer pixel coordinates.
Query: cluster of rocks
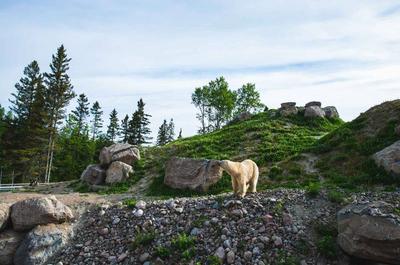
(115, 165)
(312, 109)
(193, 174)
(32, 230)
(271, 227)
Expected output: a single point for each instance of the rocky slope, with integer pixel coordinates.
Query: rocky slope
(272, 227)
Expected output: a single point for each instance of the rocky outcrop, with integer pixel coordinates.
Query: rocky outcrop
(117, 172)
(397, 130)
(122, 152)
(389, 159)
(241, 117)
(29, 213)
(288, 109)
(370, 231)
(4, 215)
(94, 175)
(193, 174)
(42, 243)
(313, 104)
(314, 112)
(9, 242)
(331, 112)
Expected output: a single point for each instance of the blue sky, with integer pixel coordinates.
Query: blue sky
(343, 53)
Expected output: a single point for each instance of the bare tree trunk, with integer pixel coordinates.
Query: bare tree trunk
(51, 160)
(48, 158)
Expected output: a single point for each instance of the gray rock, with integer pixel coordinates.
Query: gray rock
(9, 242)
(370, 231)
(314, 112)
(122, 152)
(230, 257)
(285, 105)
(194, 174)
(220, 253)
(145, 256)
(138, 213)
(288, 109)
(241, 117)
(28, 213)
(331, 112)
(118, 172)
(4, 215)
(40, 244)
(94, 175)
(313, 103)
(389, 159)
(248, 255)
(141, 205)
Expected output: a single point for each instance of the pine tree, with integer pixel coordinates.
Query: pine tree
(97, 121)
(58, 95)
(170, 131)
(112, 128)
(138, 130)
(143, 131)
(180, 134)
(22, 104)
(81, 112)
(125, 129)
(162, 136)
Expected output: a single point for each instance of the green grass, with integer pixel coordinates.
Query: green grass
(213, 260)
(326, 241)
(143, 239)
(163, 252)
(183, 242)
(265, 138)
(131, 203)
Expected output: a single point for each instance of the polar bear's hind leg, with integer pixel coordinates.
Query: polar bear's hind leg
(254, 179)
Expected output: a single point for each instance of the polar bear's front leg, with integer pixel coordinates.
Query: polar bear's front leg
(234, 185)
(243, 188)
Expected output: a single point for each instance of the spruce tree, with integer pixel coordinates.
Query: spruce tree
(81, 112)
(138, 130)
(162, 136)
(143, 131)
(58, 95)
(125, 129)
(112, 128)
(170, 131)
(180, 134)
(97, 121)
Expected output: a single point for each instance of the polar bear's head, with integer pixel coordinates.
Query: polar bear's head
(224, 164)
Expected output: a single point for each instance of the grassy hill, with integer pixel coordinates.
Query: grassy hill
(345, 153)
(266, 138)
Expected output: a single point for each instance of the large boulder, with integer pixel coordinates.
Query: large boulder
(94, 175)
(313, 104)
(119, 152)
(29, 213)
(331, 112)
(314, 112)
(118, 172)
(42, 243)
(288, 109)
(9, 242)
(194, 174)
(389, 159)
(370, 231)
(4, 215)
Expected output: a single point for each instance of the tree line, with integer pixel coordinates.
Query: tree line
(40, 141)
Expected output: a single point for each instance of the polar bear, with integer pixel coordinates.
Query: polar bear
(244, 175)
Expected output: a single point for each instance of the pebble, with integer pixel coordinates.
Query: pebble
(138, 213)
(248, 255)
(230, 257)
(145, 256)
(141, 205)
(220, 253)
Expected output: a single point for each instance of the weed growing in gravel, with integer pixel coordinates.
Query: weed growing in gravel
(183, 242)
(326, 243)
(213, 260)
(313, 189)
(285, 258)
(199, 222)
(188, 254)
(143, 239)
(131, 203)
(335, 196)
(163, 252)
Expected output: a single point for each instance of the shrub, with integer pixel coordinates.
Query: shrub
(313, 189)
(163, 252)
(143, 239)
(327, 246)
(213, 260)
(183, 242)
(131, 203)
(335, 196)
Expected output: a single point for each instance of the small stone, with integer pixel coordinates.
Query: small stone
(179, 209)
(287, 219)
(277, 241)
(141, 205)
(256, 251)
(214, 220)
(268, 218)
(195, 231)
(145, 256)
(248, 255)
(138, 213)
(122, 257)
(264, 239)
(220, 253)
(102, 212)
(146, 263)
(227, 243)
(103, 231)
(230, 257)
(303, 262)
(116, 220)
